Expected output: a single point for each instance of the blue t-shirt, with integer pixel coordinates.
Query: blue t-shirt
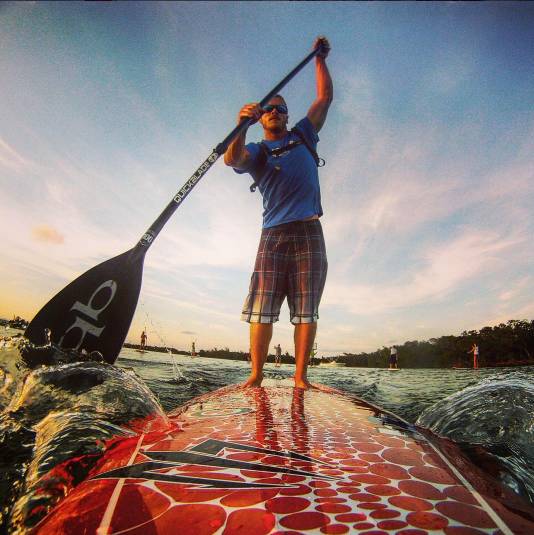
(289, 182)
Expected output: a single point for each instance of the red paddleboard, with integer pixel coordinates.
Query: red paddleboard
(282, 460)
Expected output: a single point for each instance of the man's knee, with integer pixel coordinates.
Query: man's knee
(305, 326)
(261, 330)
(255, 326)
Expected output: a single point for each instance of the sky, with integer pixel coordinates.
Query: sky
(107, 108)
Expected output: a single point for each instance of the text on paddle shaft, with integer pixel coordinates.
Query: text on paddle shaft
(90, 311)
(148, 238)
(198, 174)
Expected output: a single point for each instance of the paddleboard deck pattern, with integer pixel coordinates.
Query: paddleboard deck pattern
(282, 460)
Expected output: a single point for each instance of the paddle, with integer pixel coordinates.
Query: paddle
(94, 312)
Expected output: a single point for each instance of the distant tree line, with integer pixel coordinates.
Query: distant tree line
(506, 344)
(225, 353)
(214, 353)
(157, 349)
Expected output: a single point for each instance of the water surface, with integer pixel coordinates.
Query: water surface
(53, 413)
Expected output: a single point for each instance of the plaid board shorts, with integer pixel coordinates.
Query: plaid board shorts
(291, 262)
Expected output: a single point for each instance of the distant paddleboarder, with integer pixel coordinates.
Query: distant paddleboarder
(313, 355)
(144, 338)
(278, 355)
(291, 260)
(393, 358)
(193, 350)
(474, 349)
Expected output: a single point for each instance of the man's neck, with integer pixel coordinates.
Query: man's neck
(271, 135)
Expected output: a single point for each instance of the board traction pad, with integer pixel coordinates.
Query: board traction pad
(280, 460)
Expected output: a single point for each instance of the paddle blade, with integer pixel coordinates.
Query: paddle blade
(93, 312)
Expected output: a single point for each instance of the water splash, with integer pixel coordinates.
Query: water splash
(50, 353)
(494, 421)
(177, 374)
(56, 421)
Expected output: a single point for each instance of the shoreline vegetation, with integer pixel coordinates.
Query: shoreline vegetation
(506, 344)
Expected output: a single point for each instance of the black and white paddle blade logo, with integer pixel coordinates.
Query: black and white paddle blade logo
(87, 315)
(206, 454)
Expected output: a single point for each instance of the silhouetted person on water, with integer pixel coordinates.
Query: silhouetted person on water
(393, 358)
(291, 260)
(144, 338)
(278, 355)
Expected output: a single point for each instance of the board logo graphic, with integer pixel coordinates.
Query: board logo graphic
(206, 454)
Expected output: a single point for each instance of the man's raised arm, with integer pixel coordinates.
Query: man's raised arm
(325, 89)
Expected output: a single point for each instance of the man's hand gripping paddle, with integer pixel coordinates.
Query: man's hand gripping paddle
(94, 312)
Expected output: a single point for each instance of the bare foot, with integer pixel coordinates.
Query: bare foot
(302, 383)
(253, 380)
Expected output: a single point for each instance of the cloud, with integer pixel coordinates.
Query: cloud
(422, 169)
(515, 289)
(444, 269)
(13, 160)
(188, 332)
(47, 234)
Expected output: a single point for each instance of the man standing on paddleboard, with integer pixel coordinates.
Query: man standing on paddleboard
(291, 260)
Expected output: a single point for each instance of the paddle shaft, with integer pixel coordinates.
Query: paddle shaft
(150, 235)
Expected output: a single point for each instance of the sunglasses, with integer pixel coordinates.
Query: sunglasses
(280, 108)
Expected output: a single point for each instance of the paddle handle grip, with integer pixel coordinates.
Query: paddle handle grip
(223, 145)
(150, 235)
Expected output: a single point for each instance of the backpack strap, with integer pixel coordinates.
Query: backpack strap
(260, 163)
(318, 161)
